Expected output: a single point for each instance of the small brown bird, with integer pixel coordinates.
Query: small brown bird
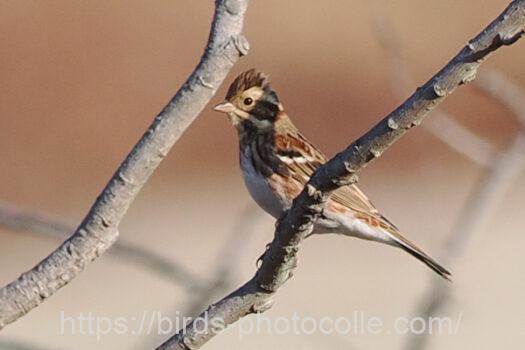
(277, 161)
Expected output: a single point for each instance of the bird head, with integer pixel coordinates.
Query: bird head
(250, 99)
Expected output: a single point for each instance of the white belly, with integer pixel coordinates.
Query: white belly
(330, 223)
(259, 188)
(348, 225)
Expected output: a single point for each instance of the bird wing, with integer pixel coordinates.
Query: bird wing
(303, 158)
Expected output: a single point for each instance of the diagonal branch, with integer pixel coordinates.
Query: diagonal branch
(20, 345)
(227, 258)
(281, 257)
(99, 229)
(443, 126)
(506, 91)
(484, 198)
(447, 129)
(18, 219)
(502, 168)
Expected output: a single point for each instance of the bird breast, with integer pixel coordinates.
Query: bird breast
(258, 186)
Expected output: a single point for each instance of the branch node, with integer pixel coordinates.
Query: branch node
(233, 7)
(392, 124)
(376, 151)
(189, 343)
(439, 90)
(470, 73)
(162, 152)
(281, 258)
(350, 167)
(510, 38)
(123, 178)
(103, 221)
(203, 82)
(241, 44)
(262, 306)
(65, 277)
(415, 122)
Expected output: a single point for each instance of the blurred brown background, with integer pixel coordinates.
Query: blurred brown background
(81, 80)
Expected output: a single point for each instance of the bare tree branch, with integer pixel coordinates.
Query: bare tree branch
(461, 139)
(499, 177)
(99, 230)
(504, 90)
(484, 198)
(443, 126)
(20, 345)
(281, 257)
(222, 278)
(17, 219)
(503, 167)
(227, 259)
(476, 212)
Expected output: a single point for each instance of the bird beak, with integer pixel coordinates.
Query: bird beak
(225, 107)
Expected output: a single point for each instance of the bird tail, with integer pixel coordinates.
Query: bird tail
(413, 250)
(427, 260)
(398, 240)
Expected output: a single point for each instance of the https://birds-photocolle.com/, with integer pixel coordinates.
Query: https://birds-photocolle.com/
(277, 161)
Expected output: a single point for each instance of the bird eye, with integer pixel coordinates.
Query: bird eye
(248, 101)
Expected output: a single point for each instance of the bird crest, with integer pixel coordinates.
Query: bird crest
(246, 80)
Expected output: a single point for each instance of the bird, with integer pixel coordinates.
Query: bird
(277, 161)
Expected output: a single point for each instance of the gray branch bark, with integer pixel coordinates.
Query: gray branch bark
(501, 170)
(443, 126)
(228, 257)
(280, 259)
(20, 345)
(17, 219)
(483, 200)
(99, 230)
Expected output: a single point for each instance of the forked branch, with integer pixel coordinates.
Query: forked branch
(280, 259)
(99, 229)
(17, 219)
(484, 198)
(501, 169)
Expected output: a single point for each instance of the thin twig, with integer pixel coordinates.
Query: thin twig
(505, 90)
(499, 177)
(99, 230)
(461, 139)
(20, 345)
(227, 259)
(478, 209)
(443, 126)
(502, 169)
(280, 259)
(16, 219)
(222, 278)
(484, 197)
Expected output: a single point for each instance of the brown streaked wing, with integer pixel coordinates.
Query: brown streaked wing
(294, 146)
(349, 196)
